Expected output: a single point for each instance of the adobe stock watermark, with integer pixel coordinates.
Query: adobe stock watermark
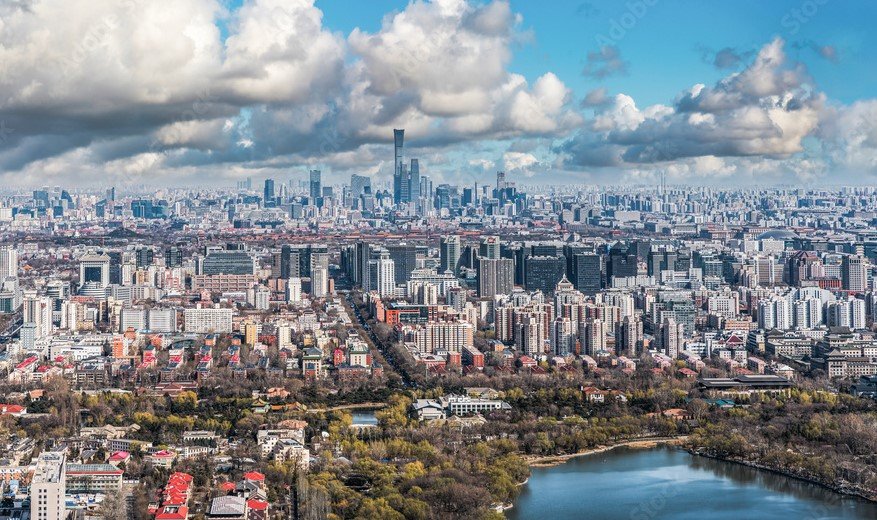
(620, 26)
(797, 17)
(653, 507)
(96, 37)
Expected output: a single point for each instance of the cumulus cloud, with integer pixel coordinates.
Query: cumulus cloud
(763, 112)
(595, 98)
(123, 81)
(604, 62)
(519, 163)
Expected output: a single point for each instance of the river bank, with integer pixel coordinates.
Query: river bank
(848, 490)
(547, 461)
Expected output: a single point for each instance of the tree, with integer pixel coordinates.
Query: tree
(114, 505)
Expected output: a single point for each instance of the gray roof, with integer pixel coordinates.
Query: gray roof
(228, 506)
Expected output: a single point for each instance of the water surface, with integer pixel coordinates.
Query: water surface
(636, 484)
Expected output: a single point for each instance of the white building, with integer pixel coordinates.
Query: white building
(383, 273)
(206, 320)
(47, 487)
(808, 313)
(293, 290)
(320, 282)
(8, 261)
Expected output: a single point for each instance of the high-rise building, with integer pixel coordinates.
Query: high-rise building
(449, 253)
(587, 272)
(425, 187)
(398, 142)
(316, 186)
(542, 273)
(628, 336)
(143, 256)
(490, 247)
(406, 180)
(319, 281)
(672, 337)
(495, 276)
(268, 192)
(382, 272)
(622, 263)
(563, 338)
(205, 320)
(94, 268)
(414, 180)
(293, 290)
(228, 262)
(359, 184)
(854, 274)
(47, 487)
(8, 261)
(173, 257)
(404, 257)
(531, 334)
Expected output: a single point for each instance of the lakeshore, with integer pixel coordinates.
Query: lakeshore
(662, 482)
(547, 461)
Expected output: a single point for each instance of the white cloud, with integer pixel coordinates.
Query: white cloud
(764, 112)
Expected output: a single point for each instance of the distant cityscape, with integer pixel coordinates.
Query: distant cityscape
(743, 292)
(438, 260)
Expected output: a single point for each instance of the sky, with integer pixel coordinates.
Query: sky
(210, 92)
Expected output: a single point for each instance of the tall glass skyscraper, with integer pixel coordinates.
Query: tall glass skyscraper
(398, 184)
(269, 192)
(316, 185)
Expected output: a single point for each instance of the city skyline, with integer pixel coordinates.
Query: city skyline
(415, 259)
(212, 92)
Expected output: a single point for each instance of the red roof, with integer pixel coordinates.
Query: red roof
(227, 486)
(11, 408)
(179, 475)
(258, 505)
(254, 476)
(164, 454)
(26, 362)
(172, 513)
(120, 455)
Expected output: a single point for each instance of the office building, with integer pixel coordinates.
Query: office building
(316, 186)
(48, 487)
(449, 254)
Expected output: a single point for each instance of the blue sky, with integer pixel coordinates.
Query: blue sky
(584, 91)
(665, 47)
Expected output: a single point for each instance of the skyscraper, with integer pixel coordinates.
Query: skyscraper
(268, 194)
(398, 141)
(490, 247)
(173, 257)
(405, 258)
(543, 272)
(854, 274)
(414, 180)
(8, 262)
(495, 276)
(358, 184)
(316, 185)
(449, 254)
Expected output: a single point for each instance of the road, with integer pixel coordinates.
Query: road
(366, 331)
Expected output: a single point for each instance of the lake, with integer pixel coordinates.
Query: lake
(641, 484)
